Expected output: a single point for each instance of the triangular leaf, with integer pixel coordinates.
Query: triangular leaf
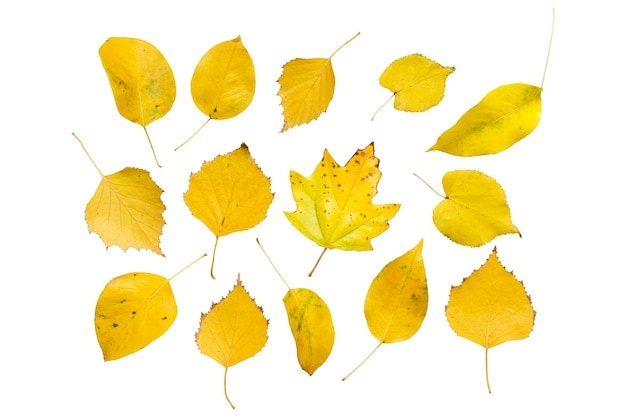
(502, 118)
(490, 307)
(312, 327)
(132, 311)
(234, 330)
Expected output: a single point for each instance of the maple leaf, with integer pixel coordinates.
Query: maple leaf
(307, 86)
(334, 205)
(229, 194)
(474, 210)
(234, 330)
(126, 210)
(490, 307)
(417, 83)
(142, 81)
(223, 82)
(397, 300)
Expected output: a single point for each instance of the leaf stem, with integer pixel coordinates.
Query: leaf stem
(151, 147)
(347, 42)
(213, 258)
(428, 185)
(318, 261)
(383, 105)
(272, 263)
(487, 369)
(545, 69)
(194, 134)
(185, 268)
(88, 156)
(225, 391)
(362, 362)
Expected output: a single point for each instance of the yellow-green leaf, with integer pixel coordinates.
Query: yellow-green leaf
(312, 327)
(502, 118)
(132, 311)
(229, 193)
(334, 205)
(307, 86)
(223, 82)
(234, 330)
(474, 211)
(126, 210)
(490, 307)
(417, 83)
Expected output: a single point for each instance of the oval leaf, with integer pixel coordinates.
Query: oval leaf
(502, 118)
(223, 82)
(127, 211)
(312, 327)
(474, 211)
(132, 311)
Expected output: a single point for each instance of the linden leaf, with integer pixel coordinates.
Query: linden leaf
(306, 87)
(312, 327)
(417, 83)
(334, 205)
(502, 118)
(142, 81)
(397, 300)
(229, 194)
(490, 307)
(474, 210)
(223, 82)
(132, 311)
(234, 330)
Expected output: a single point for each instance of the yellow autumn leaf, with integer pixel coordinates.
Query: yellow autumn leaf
(417, 83)
(474, 210)
(234, 330)
(229, 194)
(132, 311)
(126, 210)
(306, 87)
(223, 82)
(142, 81)
(490, 307)
(502, 118)
(312, 327)
(334, 205)
(397, 300)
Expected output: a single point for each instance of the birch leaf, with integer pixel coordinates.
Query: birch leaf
(490, 307)
(502, 118)
(132, 311)
(474, 210)
(312, 327)
(417, 83)
(229, 194)
(334, 205)
(142, 81)
(234, 330)
(307, 86)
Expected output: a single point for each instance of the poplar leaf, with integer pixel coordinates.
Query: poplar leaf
(127, 211)
(132, 311)
(142, 81)
(312, 327)
(223, 82)
(474, 211)
(229, 193)
(490, 307)
(397, 299)
(307, 86)
(417, 83)
(234, 330)
(502, 118)
(334, 205)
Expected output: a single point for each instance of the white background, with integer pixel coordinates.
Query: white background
(563, 182)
